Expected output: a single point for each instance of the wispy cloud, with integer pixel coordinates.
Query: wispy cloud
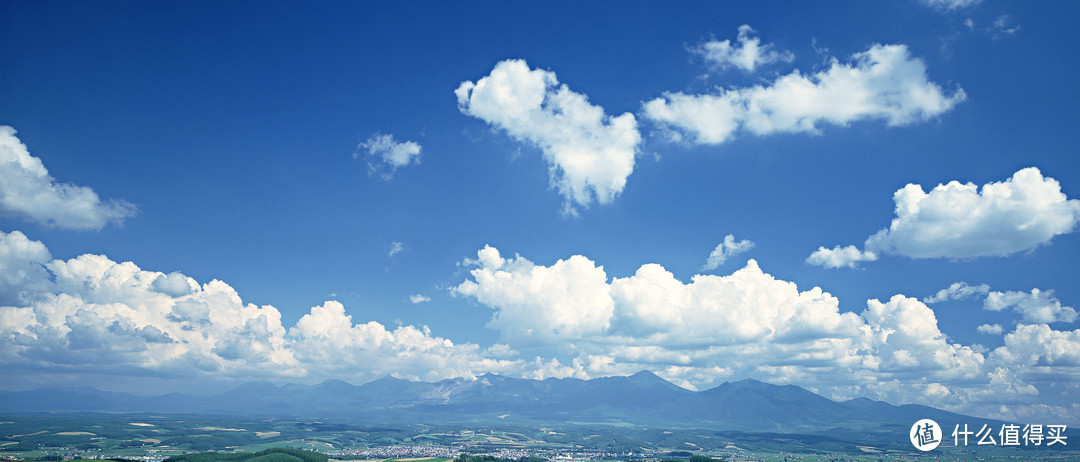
(726, 249)
(958, 291)
(386, 154)
(395, 248)
(951, 5)
(28, 191)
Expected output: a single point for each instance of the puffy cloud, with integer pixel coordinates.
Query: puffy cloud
(989, 329)
(22, 268)
(907, 336)
(29, 192)
(839, 257)
(726, 249)
(1034, 307)
(328, 337)
(590, 153)
(1040, 345)
(386, 154)
(91, 315)
(569, 299)
(419, 298)
(882, 83)
(957, 220)
(745, 307)
(958, 291)
(746, 324)
(951, 5)
(747, 55)
(751, 324)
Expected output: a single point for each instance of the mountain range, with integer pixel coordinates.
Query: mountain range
(642, 400)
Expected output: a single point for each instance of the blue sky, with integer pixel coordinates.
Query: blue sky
(436, 190)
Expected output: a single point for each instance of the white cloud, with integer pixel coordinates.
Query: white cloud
(1003, 25)
(419, 298)
(747, 55)
(93, 316)
(1039, 345)
(590, 153)
(957, 220)
(958, 291)
(882, 83)
(22, 268)
(951, 5)
(747, 324)
(1037, 306)
(839, 257)
(28, 192)
(990, 329)
(395, 247)
(90, 315)
(1034, 307)
(726, 249)
(386, 154)
(750, 324)
(569, 299)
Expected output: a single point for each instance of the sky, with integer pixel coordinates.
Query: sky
(872, 199)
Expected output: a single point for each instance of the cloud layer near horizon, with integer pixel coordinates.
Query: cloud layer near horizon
(92, 315)
(750, 324)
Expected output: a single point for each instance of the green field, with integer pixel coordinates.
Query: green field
(56, 436)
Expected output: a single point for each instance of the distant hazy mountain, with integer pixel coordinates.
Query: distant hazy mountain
(641, 400)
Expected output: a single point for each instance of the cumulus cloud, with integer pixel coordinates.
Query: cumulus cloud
(92, 315)
(726, 249)
(569, 299)
(839, 257)
(1034, 307)
(957, 220)
(419, 298)
(22, 268)
(882, 83)
(590, 154)
(746, 55)
(746, 324)
(386, 154)
(1040, 345)
(958, 291)
(751, 324)
(28, 191)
